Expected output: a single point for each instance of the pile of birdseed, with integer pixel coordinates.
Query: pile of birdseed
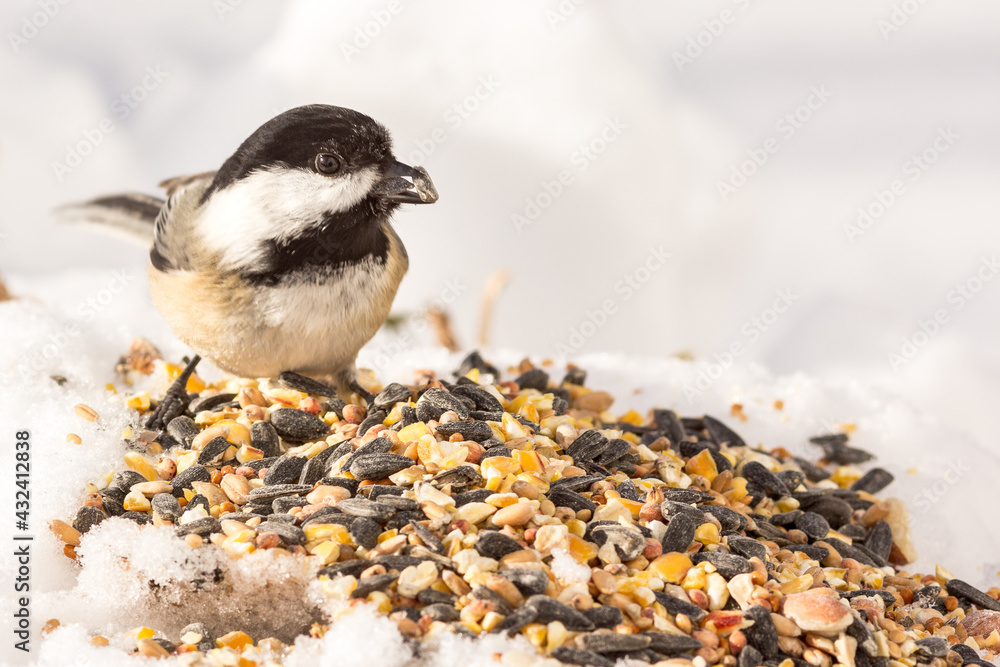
(469, 506)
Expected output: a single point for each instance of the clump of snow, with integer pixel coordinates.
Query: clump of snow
(567, 569)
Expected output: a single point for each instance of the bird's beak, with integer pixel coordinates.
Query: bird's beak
(395, 187)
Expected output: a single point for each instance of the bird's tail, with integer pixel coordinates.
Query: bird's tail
(130, 216)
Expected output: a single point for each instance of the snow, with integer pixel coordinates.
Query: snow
(763, 289)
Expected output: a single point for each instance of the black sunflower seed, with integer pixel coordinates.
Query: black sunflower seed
(285, 504)
(470, 430)
(379, 466)
(728, 565)
(813, 525)
(430, 540)
(792, 479)
(689, 496)
(588, 446)
(750, 657)
(812, 471)
(722, 434)
(285, 470)
(604, 616)
(374, 418)
(550, 609)
(817, 553)
(613, 642)
(196, 500)
(626, 489)
(265, 438)
(879, 539)
(964, 591)
(87, 517)
(617, 449)
(183, 429)
(535, 378)
(728, 519)
(496, 545)
(269, 493)
(747, 547)
(350, 568)
(515, 621)
(675, 606)
(213, 451)
(679, 534)
(835, 449)
(458, 478)
(579, 656)
(628, 543)
(376, 446)
(498, 450)
(126, 479)
(392, 394)
(758, 474)
(305, 385)
(475, 361)
(365, 532)
(561, 497)
(312, 471)
(484, 400)
(166, 506)
(429, 596)
(666, 644)
(932, 647)
(529, 582)
(366, 508)
(578, 483)
(208, 402)
(873, 481)
(183, 480)
(500, 605)
(762, 634)
(298, 425)
(375, 582)
(443, 612)
(289, 534)
(835, 510)
(435, 402)
(203, 527)
(473, 496)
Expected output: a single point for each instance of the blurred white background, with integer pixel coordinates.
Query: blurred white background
(644, 107)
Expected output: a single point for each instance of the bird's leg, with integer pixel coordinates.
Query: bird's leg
(347, 381)
(175, 401)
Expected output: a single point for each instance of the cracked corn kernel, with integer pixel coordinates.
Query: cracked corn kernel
(236, 640)
(702, 464)
(138, 463)
(671, 568)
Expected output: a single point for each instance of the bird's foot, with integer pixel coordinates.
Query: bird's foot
(365, 394)
(175, 401)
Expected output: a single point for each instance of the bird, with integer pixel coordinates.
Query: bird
(284, 259)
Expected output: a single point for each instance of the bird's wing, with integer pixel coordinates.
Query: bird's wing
(127, 216)
(178, 183)
(131, 216)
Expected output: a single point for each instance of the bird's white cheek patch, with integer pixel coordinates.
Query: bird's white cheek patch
(274, 205)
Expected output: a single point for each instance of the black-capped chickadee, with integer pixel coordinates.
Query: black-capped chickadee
(284, 258)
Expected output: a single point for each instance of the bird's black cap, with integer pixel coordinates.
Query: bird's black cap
(295, 137)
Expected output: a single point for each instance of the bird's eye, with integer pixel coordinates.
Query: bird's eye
(327, 163)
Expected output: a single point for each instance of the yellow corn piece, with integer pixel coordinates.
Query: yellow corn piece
(632, 417)
(582, 550)
(138, 401)
(529, 461)
(137, 462)
(236, 640)
(413, 432)
(671, 567)
(702, 464)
